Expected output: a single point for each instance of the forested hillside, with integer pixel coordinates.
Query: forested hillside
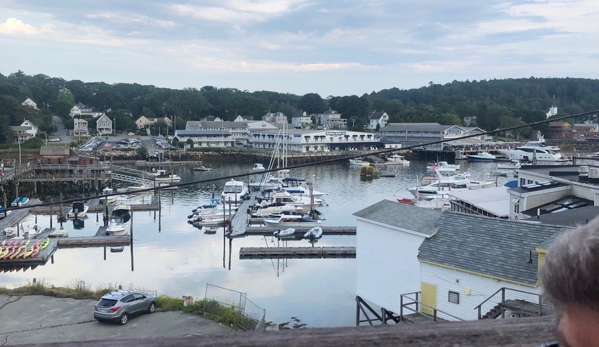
(495, 103)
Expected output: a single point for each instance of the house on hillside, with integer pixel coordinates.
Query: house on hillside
(104, 125)
(82, 109)
(31, 128)
(144, 123)
(30, 103)
(277, 117)
(241, 118)
(19, 134)
(331, 119)
(79, 127)
(301, 120)
(379, 119)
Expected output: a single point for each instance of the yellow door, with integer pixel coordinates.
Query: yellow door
(429, 298)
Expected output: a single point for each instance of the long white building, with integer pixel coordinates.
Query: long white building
(316, 140)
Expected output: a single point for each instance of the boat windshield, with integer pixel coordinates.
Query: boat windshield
(232, 189)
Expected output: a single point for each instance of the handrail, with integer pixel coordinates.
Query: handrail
(435, 310)
(503, 290)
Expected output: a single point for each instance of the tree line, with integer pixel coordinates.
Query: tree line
(494, 103)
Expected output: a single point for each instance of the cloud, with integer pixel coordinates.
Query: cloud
(14, 26)
(234, 11)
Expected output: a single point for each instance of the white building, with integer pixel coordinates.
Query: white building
(277, 117)
(31, 128)
(80, 127)
(315, 140)
(241, 118)
(471, 258)
(239, 131)
(331, 119)
(206, 138)
(411, 134)
(552, 111)
(84, 110)
(379, 119)
(104, 125)
(262, 126)
(30, 103)
(387, 240)
(301, 120)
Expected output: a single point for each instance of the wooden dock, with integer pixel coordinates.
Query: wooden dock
(296, 252)
(95, 206)
(241, 217)
(94, 241)
(268, 231)
(15, 216)
(40, 259)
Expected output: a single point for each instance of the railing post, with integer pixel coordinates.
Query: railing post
(434, 314)
(540, 306)
(417, 301)
(479, 307)
(401, 307)
(503, 302)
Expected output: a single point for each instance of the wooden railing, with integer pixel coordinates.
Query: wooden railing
(502, 291)
(414, 301)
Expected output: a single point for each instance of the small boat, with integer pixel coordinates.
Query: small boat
(234, 191)
(500, 173)
(358, 162)
(482, 156)
(58, 233)
(236, 233)
(266, 208)
(314, 233)
(2, 212)
(79, 210)
(201, 168)
(108, 199)
(9, 232)
(120, 219)
(20, 201)
(167, 186)
(210, 230)
(594, 155)
(32, 232)
(284, 233)
(162, 176)
(291, 221)
(512, 165)
(117, 249)
(258, 167)
(45, 243)
(397, 159)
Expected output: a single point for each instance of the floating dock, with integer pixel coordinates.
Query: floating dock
(95, 206)
(40, 259)
(296, 252)
(268, 231)
(15, 216)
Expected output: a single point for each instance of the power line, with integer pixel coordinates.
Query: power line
(326, 161)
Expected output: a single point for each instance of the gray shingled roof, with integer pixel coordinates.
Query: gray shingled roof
(403, 216)
(376, 115)
(415, 127)
(226, 124)
(489, 246)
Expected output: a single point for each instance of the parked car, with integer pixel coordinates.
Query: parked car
(130, 134)
(54, 139)
(118, 305)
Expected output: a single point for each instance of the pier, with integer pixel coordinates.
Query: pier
(95, 206)
(326, 230)
(296, 252)
(40, 259)
(15, 216)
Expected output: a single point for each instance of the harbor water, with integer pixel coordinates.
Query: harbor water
(176, 259)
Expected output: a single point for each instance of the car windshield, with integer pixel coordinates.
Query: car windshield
(107, 302)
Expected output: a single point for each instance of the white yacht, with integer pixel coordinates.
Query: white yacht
(258, 167)
(162, 176)
(303, 203)
(120, 219)
(291, 221)
(535, 150)
(443, 166)
(397, 159)
(482, 156)
(234, 191)
(358, 162)
(265, 209)
(447, 183)
(79, 210)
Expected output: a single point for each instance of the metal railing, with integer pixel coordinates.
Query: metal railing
(414, 301)
(503, 300)
(233, 307)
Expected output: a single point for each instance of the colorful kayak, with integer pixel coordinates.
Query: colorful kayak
(12, 250)
(45, 244)
(31, 250)
(21, 253)
(20, 249)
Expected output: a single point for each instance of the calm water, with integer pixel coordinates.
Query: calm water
(180, 259)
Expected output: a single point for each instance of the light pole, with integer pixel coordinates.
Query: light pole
(19, 141)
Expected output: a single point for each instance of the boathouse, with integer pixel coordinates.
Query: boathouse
(387, 239)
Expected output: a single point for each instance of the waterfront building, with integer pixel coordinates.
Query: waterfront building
(301, 120)
(241, 118)
(31, 128)
(331, 119)
(377, 119)
(585, 130)
(413, 134)
(30, 103)
(79, 127)
(277, 117)
(262, 126)
(315, 140)
(206, 138)
(104, 125)
(388, 236)
(238, 131)
(473, 258)
(82, 109)
(65, 155)
(559, 130)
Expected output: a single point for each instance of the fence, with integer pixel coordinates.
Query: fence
(232, 306)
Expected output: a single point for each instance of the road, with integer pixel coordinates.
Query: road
(60, 130)
(42, 319)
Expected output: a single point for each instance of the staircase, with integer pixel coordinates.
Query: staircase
(493, 313)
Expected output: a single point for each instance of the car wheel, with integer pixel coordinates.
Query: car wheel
(152, 308)
(124, 318)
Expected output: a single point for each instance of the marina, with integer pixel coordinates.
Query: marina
(296, 252)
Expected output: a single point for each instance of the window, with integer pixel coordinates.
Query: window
(454, 297)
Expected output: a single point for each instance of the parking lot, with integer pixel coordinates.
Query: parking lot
(41, 319)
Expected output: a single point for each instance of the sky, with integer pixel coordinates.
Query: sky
(331, 47)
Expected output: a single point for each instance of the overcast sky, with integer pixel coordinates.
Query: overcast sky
(332, 47)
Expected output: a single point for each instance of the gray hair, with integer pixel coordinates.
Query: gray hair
(570, 274)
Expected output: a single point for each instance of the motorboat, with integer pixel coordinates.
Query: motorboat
(211, 221)
(234, 191)
(108, 199)
(9, 232)
(397, 159)
(134, 188)
(20, 201)
(266, 208)
(482, 156)
(304, 204)
(284, 233)
(58, 233)
(291, 221)
(201, 168)
(295, 186)
(214, 202)
(79, 210)
(258, 167)
(594, 155)
(120, 220)
(535, 150)
(32, 232)
(443, 166)
(162, 176)
(358, 162)
(512, 165)
(314, 233)
(2, 212)
(457, 182)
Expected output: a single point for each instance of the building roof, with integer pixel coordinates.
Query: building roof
(330, 111)
(61, 151)
(569, 218)
(376, 115)
(494, 200)
(102, 118)
(417, 219)
(223, 124)
(18, 127)
(198, 133)
(493, 247)
(300, 113)
(415, 127)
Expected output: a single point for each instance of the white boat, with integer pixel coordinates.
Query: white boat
(79, 210)
(59, 233)
(162, 176)
(512, 165)
(301, 190)
(135, 188)
(443, 166)
(358, 162)
(234, 191)
(284, 233)
(291, 221)
(535, 150)
(266, 208)
(32, 232)
(304, 204)
(211, 221)
(397, 159)
(120, 220)
(167, 186)
(108, 199)
(447, 183)
(202, 168)
(9, 232)
(314, 233)
(482, 156)
(258, 167)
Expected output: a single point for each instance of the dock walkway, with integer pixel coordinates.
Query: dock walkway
(326, 230)
(15, 216)
(241, 217)
(296, 252)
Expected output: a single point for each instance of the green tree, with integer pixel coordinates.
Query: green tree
(142, 151)
(190, 143)
(63, 104)
(312, 103)
(5, 130)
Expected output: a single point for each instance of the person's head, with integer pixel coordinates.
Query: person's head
(570, 277)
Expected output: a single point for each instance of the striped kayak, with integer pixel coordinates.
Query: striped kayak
(45, 244)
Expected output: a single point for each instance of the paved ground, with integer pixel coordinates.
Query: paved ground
(41, 319)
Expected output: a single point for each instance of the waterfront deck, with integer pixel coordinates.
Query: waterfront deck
(296, 252)
(15, 216)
